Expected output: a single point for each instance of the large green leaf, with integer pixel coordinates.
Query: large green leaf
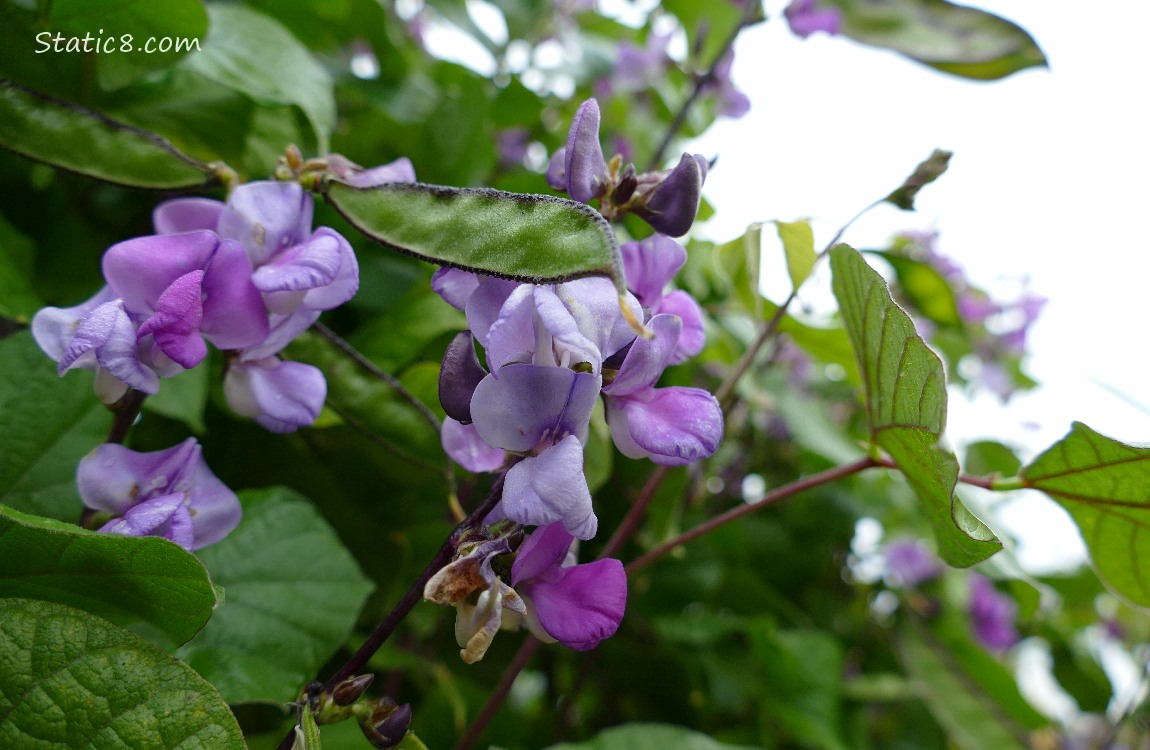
(515, 235)
(970, 716)
(293, 594)
(49, 424)
(905, 394)
(75, 138)
(145, 583)
(799, 245)
(1103, 483)
(924, 287)
(18, 300)
(132, 36)
(640, 736)
(254, 54)
(71, 680)
(952, 38)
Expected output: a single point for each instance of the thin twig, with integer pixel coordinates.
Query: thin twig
(782, 493)
(635, 515)
(126, 411)
(499, 694)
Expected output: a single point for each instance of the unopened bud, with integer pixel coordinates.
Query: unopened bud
(351, 689)
(294, 157)
(626, 187)
(459, 374)
(386, 724)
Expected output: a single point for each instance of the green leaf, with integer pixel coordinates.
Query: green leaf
(985, 457)
(75, 138)
(50, 423)
(642, 736)
(307, 731)
(1102, 483)
(293, 594)
(131, 33)
(70, 680)
(799, 245)
(952, 38)
(18, 300)
(924, 174)
(514, 235)
(256, 55)
(131, 581)
(972, 720)
(905, 394)
(925, 288)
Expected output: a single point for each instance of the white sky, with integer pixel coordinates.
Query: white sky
(1048, 181)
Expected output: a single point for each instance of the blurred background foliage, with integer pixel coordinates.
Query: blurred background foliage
(784, 630)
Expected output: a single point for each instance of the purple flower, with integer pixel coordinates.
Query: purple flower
(350, 173)
(511, 145)
(667, 200)
(170, 493)
(649, 266)
(280, 396)
(909, 563)
(637, 68)
(729, 102)
(806, 18)
(671, 426)
(576, 605)
(992, 615)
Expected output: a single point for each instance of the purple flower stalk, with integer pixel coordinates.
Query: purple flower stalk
(992, 615)
(169, 493)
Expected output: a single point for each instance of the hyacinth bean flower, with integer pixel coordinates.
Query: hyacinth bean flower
(672, 426)
(667, 200)
(169, 493)
(280, 396)
(649, 266)
(805, 17)
(729, 101)
(909, 563)
(576, 605)
(992, 615)
(636, 68)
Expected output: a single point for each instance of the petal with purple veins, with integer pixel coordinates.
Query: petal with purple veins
(581, 605)
(674, 425)
(544, 549)
(523, 406)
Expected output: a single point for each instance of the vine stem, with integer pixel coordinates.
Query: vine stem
(126, 411)
(411, 597)
(499, 693)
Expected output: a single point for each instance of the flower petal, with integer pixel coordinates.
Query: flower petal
(267, 217)
(585, 169)
(107, 338)
(672, 206)
(54, 327)
(459, 374)
(234, 313)
(284, 328)
(164, 516)
(175, 326)
(581, 605)
(454, 285)
(647, 358)
(650, 265)
(693, 337)
(466, 448)
(187, 215)
(141, 269)
(594, 305)
(523, 406)
(544, 549)
(551, 487)
(675, 425)
(280, 396)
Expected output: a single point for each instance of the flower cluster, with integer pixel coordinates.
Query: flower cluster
(667, 200)
(247, 276)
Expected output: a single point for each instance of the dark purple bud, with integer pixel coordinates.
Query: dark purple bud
(351, 689)
(672, 206)
(585, 168)
(626, 187)
(387, 724)
(459, 374)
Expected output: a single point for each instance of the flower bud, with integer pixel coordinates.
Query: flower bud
(585, 169)
(385, 724)
(351, 689)
(459, 374)
(671, 207)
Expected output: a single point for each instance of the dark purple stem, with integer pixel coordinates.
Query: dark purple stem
(126, 411)
(499, 694)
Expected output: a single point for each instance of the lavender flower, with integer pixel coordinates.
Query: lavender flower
(805, 17)
(909, 563)
(649, 266)
(576, 605)
(636, 68)
(729, 101)
(992, 615)
(170, 493)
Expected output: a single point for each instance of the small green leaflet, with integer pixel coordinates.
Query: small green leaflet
(925, 173)
(799, 245)
(1105, 485)
(905, 393)
(78, 139)
(534, 238)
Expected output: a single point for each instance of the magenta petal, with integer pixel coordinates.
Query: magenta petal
(675, 425)
(466, 448)
(551, 487)
(647, 358)
(267, 218)
(585, 168)
(187, 215)
(523, 406)
(280, 396)
(650, 265)
(581, 605)
(454, 286)
(234, 313)
(176, 324)
(544, 549)
(141, 269)
(693, 337)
